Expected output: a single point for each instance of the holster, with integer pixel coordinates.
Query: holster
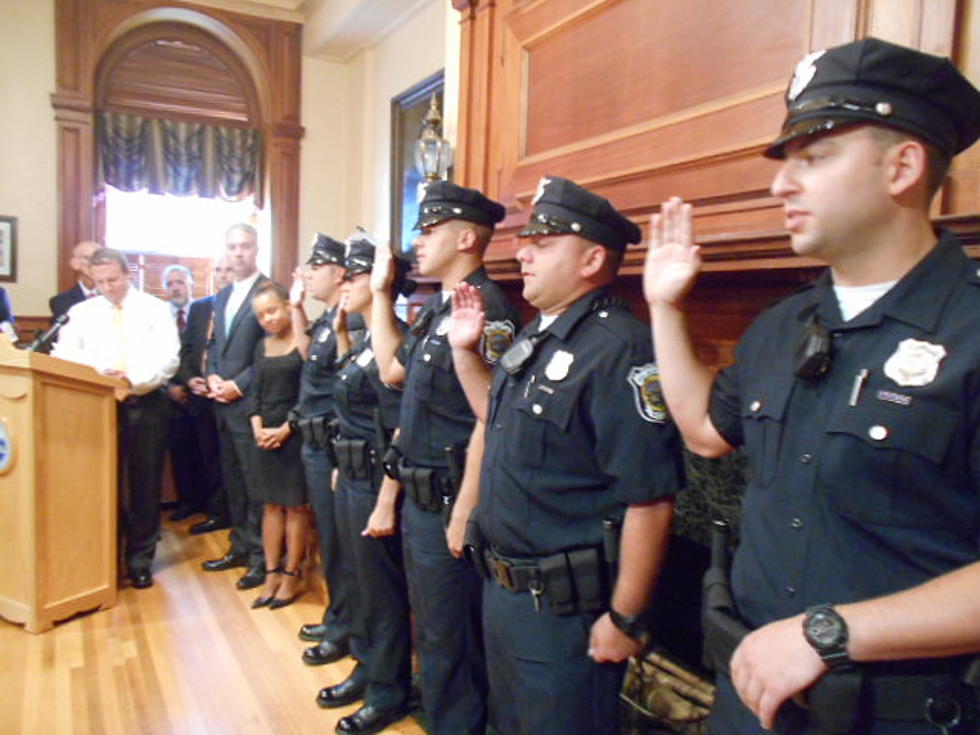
(354, 458)
(474, 544)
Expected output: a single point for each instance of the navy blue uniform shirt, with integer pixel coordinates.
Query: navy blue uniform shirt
(859, 486)
(435, 412)
(579, 434)
(360, 395)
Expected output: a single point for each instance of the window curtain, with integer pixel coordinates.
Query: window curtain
(182, 158)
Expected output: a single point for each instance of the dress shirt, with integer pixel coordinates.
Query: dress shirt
(151, 345)
(239, 292)
(90, 293)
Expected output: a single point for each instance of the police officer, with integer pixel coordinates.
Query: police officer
(455, 225)
(857, 402)
(580, 468)
(312, 415)
(367, 414)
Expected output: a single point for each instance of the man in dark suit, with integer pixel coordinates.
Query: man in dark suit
(84, 288)
(231, 351)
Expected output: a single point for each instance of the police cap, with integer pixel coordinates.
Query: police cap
(444, 200)
(326, 251)
(873, 81)
(360, 259)
(562, 207)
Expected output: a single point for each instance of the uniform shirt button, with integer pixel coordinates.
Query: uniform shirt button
(878, 432)
(343, 377)
(603, 314)
(536, 409)
(426, 357)
(806, 458)
(755, 406)
(796, 523)
(790, 590)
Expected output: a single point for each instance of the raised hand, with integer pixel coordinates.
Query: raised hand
(382, 271)
(298, 290)
(468, 318)
(673, 260)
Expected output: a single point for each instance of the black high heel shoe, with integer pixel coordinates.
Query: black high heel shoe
(278, 602)
(267, 601)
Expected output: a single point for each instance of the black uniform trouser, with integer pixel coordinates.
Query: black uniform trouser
(336, 553)
(445, 595)
(382, 600)
(142, 449)
(237, 472)
(185, 456)
(205, 430)
(542, 681)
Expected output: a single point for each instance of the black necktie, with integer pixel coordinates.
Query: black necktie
(181, 320)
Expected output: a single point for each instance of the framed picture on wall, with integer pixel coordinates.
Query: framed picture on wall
(8, 248)
(407, 113)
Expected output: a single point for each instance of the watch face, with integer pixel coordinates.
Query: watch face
(824, 629)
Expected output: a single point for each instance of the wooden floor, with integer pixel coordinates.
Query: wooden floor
(186, 657)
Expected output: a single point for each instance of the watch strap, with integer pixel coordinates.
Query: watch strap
(632, 625)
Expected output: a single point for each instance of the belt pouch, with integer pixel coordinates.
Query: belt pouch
(473, 547)
(557, 582)
(834, 703)
(586, 574)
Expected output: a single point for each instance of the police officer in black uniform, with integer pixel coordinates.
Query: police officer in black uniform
(312, 416)
(858, 403)
(580, 468)
(455, 226)
(366, 501)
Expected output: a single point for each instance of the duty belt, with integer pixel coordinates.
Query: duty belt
(315, 430)
(427, 487)
(572, 581)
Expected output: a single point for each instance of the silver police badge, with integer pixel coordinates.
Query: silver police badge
(803, 74)
(915, 363)
(497, 339)
(645, 381)
(559, 365)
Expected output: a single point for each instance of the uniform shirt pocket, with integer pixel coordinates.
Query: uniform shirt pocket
(883, 464)
(543, 416)
(763, 413)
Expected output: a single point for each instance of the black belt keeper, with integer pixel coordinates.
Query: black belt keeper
(353, 458)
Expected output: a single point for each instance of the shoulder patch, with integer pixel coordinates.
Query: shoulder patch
(649, 399)
(497, 338)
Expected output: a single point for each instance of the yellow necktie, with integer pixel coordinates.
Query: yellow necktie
(119, 338)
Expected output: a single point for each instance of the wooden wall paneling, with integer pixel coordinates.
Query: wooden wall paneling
(283, 152)
(464, 142)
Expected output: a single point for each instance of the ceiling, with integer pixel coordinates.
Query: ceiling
(332, 29)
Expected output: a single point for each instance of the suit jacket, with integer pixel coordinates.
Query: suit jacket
(194, 340)
(230, 354)
(62, 302)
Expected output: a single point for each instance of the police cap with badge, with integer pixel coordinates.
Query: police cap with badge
(562, 207)
(326, 251)
(359, 258)
(444, 200)
(873, 81)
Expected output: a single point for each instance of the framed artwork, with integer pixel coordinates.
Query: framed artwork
(407, 112)
(8, 248)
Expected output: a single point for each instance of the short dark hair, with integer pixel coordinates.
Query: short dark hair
(104, 256)
(271, 287)
(937, 162)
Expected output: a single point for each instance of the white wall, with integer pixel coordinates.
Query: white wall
(28, 155)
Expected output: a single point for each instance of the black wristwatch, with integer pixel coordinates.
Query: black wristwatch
(826, 631)
(632, 625)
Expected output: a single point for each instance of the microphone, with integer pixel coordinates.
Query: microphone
(45, 338)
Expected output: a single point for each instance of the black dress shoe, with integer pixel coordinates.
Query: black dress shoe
(211, 524)
(228, 561)
(141, 578)
(346, 692)
(369, 719)
(313, 632)
(326, 652)
(252, 578)
(182, 512)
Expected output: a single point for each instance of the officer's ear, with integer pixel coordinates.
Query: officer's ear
(593, 260)
(467, 240)
(906, 165)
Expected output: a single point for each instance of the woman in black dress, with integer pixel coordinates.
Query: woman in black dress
(280, 483)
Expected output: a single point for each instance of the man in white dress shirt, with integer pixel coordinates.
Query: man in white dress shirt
(130, 335)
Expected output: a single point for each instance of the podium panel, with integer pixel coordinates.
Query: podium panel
(58, 491)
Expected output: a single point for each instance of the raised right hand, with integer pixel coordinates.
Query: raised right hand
(382, 272)
(673, 260)
(468, 317)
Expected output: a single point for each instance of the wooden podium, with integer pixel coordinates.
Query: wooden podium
(58, 492)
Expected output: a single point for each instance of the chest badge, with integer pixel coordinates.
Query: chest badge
(497, 339)
(645, 381)
(559, 365)
(443, 327)
(914, 363)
